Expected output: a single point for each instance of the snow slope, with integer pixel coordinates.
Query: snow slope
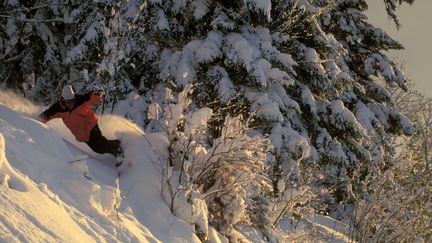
(45, 198)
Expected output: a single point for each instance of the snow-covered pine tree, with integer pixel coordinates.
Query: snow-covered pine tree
(398, 210)
(103, 53)
(39, 36)
(391, 6)
(46, 44)
(25, 64)
(365, 71)
(313, 73)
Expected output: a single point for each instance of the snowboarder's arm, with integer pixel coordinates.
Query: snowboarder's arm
(89, 99)
(50, 113)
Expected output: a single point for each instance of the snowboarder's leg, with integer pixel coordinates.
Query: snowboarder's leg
(100, 144)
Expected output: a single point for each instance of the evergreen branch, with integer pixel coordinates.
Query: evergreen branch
(37, 7)
(32, 20)
(14, 58)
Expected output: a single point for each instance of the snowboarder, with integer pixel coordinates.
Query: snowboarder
(78, 116)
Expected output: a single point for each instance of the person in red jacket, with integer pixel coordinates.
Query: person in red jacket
(78, 116)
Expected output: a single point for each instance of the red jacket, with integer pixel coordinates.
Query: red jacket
(80, 120)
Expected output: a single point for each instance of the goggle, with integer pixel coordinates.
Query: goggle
(70, 102)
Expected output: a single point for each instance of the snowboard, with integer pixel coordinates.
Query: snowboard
(91, 155)
(124, 167)
(87, 154)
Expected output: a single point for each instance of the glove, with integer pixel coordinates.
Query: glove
(100, 93)
(95, 98)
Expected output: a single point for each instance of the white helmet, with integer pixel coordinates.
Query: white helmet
(68, 93)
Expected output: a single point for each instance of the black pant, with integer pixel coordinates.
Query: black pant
(101, 144)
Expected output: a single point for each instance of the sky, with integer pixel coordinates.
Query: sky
(415, 35)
